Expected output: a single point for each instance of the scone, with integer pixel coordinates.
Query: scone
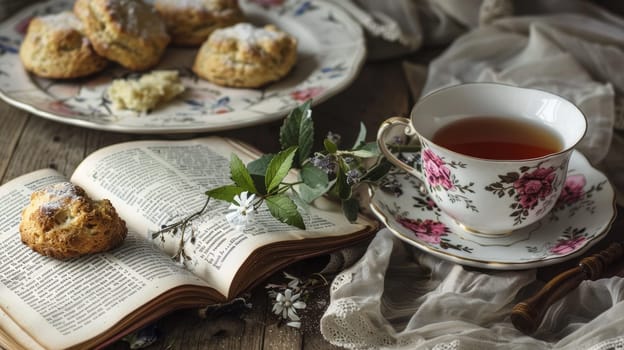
(246, 56)
(54, 47)
(61, 221)
(190, 22)
(129, 32)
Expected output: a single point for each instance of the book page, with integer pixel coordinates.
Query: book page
(156, 183)
(62, 303)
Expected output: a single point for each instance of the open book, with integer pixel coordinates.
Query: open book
(91, 301)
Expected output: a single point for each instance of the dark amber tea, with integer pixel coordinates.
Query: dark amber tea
(498, 138)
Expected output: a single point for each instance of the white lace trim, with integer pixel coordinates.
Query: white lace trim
(610, 344)
(341, 280)
(346, 325)
(454, 345)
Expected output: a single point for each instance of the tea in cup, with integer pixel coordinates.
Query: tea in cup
(493, 157)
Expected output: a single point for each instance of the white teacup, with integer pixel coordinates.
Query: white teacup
(485, 196)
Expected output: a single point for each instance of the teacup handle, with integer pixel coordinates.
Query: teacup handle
(385, 127)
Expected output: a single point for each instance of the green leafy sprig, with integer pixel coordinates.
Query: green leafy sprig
(331, 171)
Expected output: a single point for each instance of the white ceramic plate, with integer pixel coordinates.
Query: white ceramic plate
(582, 217)
(331, 52)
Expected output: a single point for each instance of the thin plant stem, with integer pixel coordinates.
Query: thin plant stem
(182, 223)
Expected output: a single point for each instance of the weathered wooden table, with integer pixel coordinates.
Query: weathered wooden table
(28, 143)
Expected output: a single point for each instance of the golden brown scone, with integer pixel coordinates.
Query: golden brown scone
(246, 56)
(129, 32)
(54, 47)
(61, 221)
(190, 22)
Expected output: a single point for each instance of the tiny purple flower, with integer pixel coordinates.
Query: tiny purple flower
(327, 163)
(353, 176)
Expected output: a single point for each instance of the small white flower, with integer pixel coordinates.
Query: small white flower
(286, 305)
(242, 210)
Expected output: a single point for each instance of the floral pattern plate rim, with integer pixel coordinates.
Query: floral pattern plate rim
(331, 52)
(582, 216)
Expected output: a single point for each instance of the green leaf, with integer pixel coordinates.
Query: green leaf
(278, 168)
(343, 188)
(260, 165)
(225, 193)
(309, 194)
(298, 130)
(361, 137)
(313, 176)
(258, 181)
(240, 175)
(257, 168)
(350, 208)
(330, 147)
(363, 153)
(315, 183)
(299, 202)
(285, 210)
(289, 132)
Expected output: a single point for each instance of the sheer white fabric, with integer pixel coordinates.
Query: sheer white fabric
(538, 44)
(401, 298)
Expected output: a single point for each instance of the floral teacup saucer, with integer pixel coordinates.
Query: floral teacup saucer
(581, 217)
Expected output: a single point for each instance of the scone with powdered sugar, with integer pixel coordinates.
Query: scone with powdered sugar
(61, 221)
(246, 56)
(55, 47)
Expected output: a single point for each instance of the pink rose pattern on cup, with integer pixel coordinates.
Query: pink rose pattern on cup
(438, 174)
(533, 187)
(441, 180)
(530, 188)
